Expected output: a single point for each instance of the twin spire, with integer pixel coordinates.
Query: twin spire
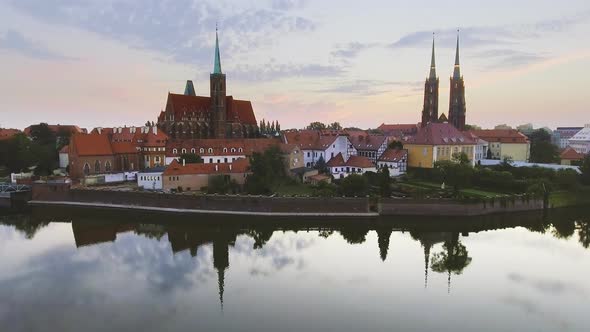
(456, 70)
(217, 65)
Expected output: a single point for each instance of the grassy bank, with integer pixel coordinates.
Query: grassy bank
(561, 199)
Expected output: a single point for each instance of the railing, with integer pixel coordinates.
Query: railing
(7, 187)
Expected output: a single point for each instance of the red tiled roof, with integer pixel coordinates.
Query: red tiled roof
(359, 161)
(310, 139)
(239, 166)
(394, 155)
(440, 134)
(367, 142)
(501, 135)
(336, 161)
(248, 146)
(123, 147)
(8, 133)
(570, 154)
(90, 145)
(240, 110)
(405, 128)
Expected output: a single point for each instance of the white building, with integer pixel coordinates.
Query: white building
(64, 158)
(581, 141)
(314, 145)
(562, 135)
(341, 168)
(150, 179)
(395, 160)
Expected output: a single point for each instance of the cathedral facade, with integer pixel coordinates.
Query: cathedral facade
(188, 116)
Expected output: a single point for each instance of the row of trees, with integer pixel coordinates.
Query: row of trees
(321, 126)
(267, 128)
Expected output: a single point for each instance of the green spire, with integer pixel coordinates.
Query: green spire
(217, 67)
(189, 89)
(432, 62)
(457, 70)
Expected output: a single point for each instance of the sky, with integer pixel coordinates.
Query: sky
(112, 62)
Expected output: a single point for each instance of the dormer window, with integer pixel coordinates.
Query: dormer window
(201, 150)
(175, 151)
(183, 151)
(210, 150)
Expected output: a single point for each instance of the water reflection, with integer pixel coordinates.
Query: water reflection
(195, 241)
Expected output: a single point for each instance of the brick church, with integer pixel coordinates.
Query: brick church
(188, 116)
(457, 107)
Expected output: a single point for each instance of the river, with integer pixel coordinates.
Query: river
(112, 270)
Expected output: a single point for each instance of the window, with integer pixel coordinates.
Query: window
(183, 151)
(233, 149)
(175, 151)
(193, 150)
(240, 150)
(97, 166)
(211, 160)
(225, 160)
(224, 150)
(210, 150)
(107, 166)
(201, 150)
(86, 169)
(308, 154)
(425, 151)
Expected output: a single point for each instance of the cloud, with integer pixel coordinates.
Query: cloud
(351, 50)
(181, 29)
(15, 41)
(508, 58)
(274, 71)
(288, 4)
(369, 87)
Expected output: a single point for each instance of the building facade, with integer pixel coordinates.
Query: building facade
(506, 143)
(341, 168)
(395, 160)
(562, 135)
(187, 116)
(581, 141)
(194, 177)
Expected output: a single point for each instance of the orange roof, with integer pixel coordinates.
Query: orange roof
(394, 155)
(404, 128)
(570, 154)
(367, 142)
(90, 145)
(353, 161)
(440, 134)
(123, 147)
(237, 110)
(310, 139)
(8, 133)
(336, 161)
(501, 135)
(241, 165)
(149, 138)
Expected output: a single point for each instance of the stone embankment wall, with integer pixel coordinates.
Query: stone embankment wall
(284, 205)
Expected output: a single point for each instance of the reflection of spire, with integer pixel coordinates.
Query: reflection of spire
(426, 261)
(221, 262)
(221, 281)
(449, 283)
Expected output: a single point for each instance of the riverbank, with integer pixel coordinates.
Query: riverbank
(357, 207)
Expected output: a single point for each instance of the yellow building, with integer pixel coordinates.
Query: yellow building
(438, 142)
(506, 144)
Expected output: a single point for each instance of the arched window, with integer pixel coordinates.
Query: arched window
(201, 150)
(86, 169)
(107, 166)
(224, 150)
(193, 150)
(233, 149)
(210, 150)
(97, 167)
(175, 151)
(183, 151)
(240, 150)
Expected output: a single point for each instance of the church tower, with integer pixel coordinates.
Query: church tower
(430, 110)
(217, 89)
(457, 108)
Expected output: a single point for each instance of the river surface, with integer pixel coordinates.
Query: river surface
(95, 270)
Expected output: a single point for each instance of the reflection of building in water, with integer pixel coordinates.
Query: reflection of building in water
(383, 236)
(87, 233)
(428, 240)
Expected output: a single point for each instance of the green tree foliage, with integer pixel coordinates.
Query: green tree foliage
(457, 175)
(585, 169)
(320, 165)
(542, 149)
(42, 134)
(316, 126)
(354, 185)
(324, 189)
(385, 182)
(454, 259)
(461, 158)
(354, 235)
(268, 171)
(221, 184)
(396, 145)
(19, 153)
(191, 158)
(334, 126)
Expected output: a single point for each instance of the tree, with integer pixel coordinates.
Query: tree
(42, 134)
(354, 185)
(456, 175)
(221, 184)
(316, 126)
(542, 149)
(454, 259)
(278, 128)
(396, 145)
(190, 158)
(385, 182)
(268, 171)
(489, 154)
(262, 127)
(461, 158)
(335, 126)
(320, 165)
(585, 169)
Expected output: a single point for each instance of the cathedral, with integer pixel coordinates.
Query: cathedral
(188, 116)
(457, 107)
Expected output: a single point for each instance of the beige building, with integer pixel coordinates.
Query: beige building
(506, 144)
(193, 177)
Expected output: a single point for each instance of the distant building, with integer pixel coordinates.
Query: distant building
(187, 116)
(526, 129)
(370, 146)
(150, 178)
(316, 146)
(398, 131)
(569, 156)
(506, 143)
(562, 135)
(438, 142)
(90, 154)
(193, 177)
(395, 160)
(430, 109)
(481, 148)
(8, 133)
(581, 140)
(341, 167)
(503, 127)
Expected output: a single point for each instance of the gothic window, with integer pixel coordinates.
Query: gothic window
(86, 169)
(97, 167)
(107, 166)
